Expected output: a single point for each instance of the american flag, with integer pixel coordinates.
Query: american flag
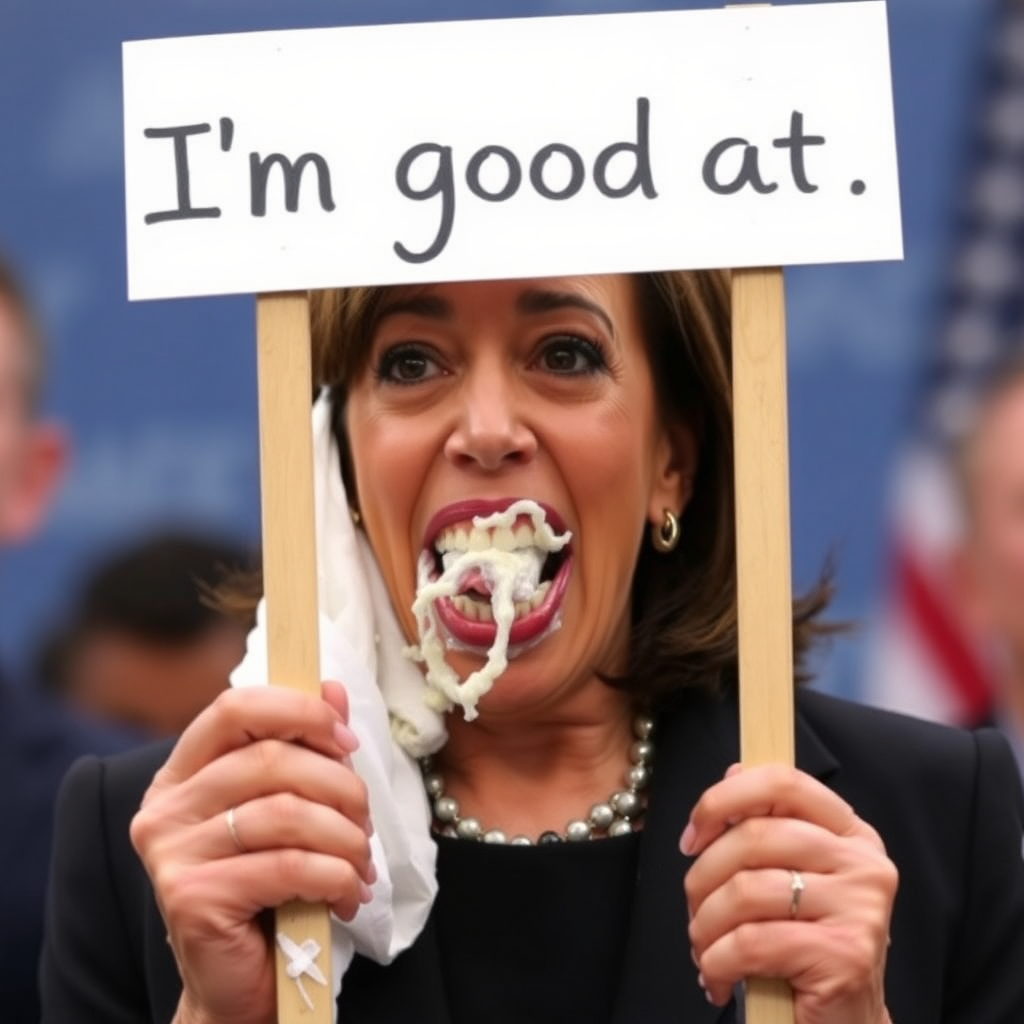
(924, 661)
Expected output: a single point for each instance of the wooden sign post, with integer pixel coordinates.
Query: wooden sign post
(241, 177)
(284, 377)
(764, 591)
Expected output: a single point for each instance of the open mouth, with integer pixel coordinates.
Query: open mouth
(520, 544)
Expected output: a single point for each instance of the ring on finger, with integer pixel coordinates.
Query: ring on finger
(796, 891)
(232, 824)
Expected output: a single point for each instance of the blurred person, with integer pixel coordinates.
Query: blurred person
(991, 560)
(145, 647)
(37, 741)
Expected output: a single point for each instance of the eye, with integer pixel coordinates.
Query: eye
(408, 363)
(570, 355)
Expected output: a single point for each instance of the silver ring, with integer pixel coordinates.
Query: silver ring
(229, 820)
(796, 890)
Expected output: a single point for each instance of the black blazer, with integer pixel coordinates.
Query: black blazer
(947, 803)
(38, 742)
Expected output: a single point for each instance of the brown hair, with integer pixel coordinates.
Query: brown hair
(15, 298)
(684, 629)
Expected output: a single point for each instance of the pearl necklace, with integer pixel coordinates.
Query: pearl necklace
(615, 817)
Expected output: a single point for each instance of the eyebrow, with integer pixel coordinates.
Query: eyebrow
(432, 306)
(542, 300)
(534, 300)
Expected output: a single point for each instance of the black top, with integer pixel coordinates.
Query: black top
(948, 805)
(559, 960)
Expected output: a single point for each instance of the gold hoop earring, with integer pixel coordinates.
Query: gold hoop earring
(665, 535)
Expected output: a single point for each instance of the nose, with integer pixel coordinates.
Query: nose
(491, 432)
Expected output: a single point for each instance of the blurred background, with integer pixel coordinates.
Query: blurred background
(159, 398)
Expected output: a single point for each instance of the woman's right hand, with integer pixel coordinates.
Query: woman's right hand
(280, 759)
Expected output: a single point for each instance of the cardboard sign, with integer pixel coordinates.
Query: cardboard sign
(275, 161)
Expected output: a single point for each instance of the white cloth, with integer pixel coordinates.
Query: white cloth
(361, 646)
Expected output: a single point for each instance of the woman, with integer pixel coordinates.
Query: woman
(605, 401)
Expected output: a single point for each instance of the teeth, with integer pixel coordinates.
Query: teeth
(476, 538)
(504, 539)
(480, 611)
(524, 536)
(470, 609)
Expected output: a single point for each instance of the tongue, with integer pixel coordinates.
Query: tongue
(474, 580)
(486, 567)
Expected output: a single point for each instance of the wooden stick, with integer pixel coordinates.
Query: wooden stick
(289, 574)
(762, 551)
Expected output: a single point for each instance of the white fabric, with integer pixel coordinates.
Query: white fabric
(361, 646)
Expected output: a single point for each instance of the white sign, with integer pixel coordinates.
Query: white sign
(483, 149)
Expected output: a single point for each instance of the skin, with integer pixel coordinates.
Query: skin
(156, 687)
(475, 393)
(493, 398)
(32, 453)
(993, 557)
(748, 833)
(281, 758)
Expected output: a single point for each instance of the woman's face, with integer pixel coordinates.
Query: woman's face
(478, 394)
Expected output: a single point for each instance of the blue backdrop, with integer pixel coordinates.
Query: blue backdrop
(159, 397)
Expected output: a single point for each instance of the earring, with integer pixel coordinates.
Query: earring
(354, 513)
(665, 535)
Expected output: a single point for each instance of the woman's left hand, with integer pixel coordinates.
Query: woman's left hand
(757, 835)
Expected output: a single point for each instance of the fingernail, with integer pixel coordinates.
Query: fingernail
(365, 893)
(368, 827)
(700, 981)
(732, 770)
(371, 873)
(345, 737)
(686, 841)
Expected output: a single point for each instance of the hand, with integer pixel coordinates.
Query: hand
(750, 833)
(280, 759)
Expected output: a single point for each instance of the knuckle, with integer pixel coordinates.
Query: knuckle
(709, 807)
(224, 709)
(757, 831)
(890, 878)
(291, 865)
(141, 830)
(695, 934)
(286, 815)
(788, 783)
(172, 889)
(743, 889)
(271, 755)
(871, 834)
(747, 940)
(690, 888)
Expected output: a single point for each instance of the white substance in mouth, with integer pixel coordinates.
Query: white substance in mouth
(512, 574)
